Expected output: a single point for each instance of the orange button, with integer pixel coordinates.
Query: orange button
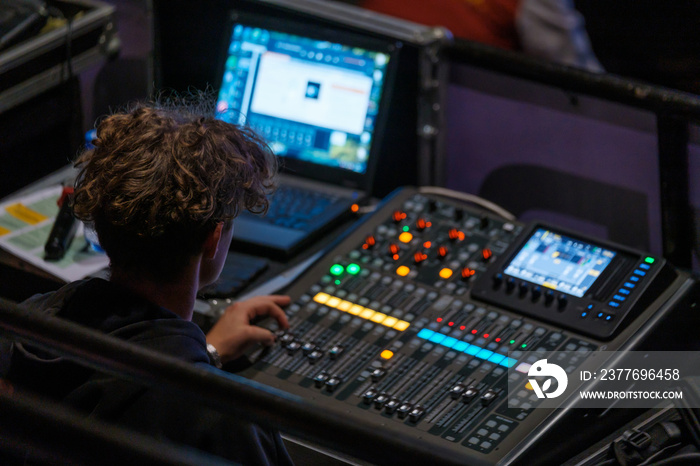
(405, 237)
(403, 271)
(445, 273)
(387, 354)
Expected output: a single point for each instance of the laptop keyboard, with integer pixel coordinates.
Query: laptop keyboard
(302, 209)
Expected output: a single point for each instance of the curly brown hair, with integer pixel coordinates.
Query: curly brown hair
(161, 176)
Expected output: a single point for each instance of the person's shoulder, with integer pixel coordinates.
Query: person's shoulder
(53, 301)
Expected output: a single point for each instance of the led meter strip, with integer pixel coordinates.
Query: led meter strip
(360, 311)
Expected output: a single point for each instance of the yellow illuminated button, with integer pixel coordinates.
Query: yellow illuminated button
(403, 271)
(401, 325)
(387, 354)
(445, 273)
(344, 306)
(378, 317)
(355, 309)
(321, 298)
(333, 302)
(405, 237)
(367, 314)
(390, 321)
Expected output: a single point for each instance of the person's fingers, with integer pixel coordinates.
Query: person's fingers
(262, 306)
(259, 335)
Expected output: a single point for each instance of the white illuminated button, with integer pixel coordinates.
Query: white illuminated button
(523, 367)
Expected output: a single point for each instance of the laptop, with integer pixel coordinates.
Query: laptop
(319, 97)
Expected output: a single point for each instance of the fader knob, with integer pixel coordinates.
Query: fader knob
(469, 394)
(416, 413)
(488, 397)
(456, 391)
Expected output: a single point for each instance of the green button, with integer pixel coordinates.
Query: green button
(353, 269)
(337, 269)
(649, 260)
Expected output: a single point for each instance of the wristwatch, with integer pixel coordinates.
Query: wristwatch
(214, 357)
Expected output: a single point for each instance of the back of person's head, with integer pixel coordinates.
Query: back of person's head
(161, 176)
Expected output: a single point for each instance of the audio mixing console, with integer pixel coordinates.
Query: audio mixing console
(420, 316)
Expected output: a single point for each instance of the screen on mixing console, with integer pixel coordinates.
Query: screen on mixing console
(558, 262)
(312, 99)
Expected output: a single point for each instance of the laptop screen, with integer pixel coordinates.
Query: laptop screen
(315, 96)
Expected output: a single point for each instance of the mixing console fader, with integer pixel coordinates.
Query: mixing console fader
(416, 320)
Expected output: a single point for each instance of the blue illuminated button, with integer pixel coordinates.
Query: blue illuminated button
(629, 285)
(584, 314)
(437, 338)
(590, 307)
(644, 266)
(613, 304)
(449, 342)
(623, 291)
(496, 358)
(617, 297)
(600, 314)
(608, 317)
(508, 362)
(641, 273)
(484, 354)
(634, 279)
(472, 350)
(460, 346)
(425, 334)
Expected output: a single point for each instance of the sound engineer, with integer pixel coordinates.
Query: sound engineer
(162, 187)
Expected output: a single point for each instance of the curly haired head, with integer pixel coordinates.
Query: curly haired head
(161, 176)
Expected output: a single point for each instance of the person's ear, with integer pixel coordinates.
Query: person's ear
(211, 242)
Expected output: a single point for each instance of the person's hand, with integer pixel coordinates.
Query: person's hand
(233, 333)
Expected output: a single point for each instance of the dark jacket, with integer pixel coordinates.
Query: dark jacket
(104, 306)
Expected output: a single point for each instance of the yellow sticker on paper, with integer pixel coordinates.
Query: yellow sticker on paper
(25, 214)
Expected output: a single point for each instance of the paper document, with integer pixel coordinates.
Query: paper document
(25, 224)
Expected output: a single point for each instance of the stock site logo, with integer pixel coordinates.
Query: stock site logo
(543, 369)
